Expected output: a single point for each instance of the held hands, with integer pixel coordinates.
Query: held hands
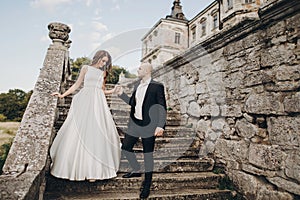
(57, 94)
(118, 89)
(159, 132)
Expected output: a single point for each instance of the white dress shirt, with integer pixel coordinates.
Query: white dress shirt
(139, 97)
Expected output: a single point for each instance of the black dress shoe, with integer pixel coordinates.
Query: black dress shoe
(132, 174)
(145, 192)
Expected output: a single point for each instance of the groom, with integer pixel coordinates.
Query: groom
(147, 120)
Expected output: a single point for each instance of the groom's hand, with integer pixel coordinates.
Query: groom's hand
(159, 132)
(119, 90)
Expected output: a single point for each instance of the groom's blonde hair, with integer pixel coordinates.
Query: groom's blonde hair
(147, 66)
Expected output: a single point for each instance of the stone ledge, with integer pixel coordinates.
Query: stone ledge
(25, 186)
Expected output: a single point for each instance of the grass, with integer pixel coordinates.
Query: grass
(4, 149)
(8, 131)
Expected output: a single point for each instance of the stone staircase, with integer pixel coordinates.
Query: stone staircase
(179, 173)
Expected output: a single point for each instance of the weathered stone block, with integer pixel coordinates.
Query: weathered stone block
(254, 188)
(234, 79)
(246, 129)
(25, 186)
(288, 73)
(285, 184)
(231, 110)
(265, 103)
(218, 124)
(253, 78)
(284, 131)
(258, 171)
(292, 167)
(232, 150)
(210, 110)
(194, 109)
(265, 156)
(292, 103)
(215, 82)
(277, 55)
(201, 88)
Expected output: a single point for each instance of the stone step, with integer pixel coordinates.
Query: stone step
(123, 120)
(161, 181)
(170, 131)
(165, 142)
(197, 165)
(190, 194)
(170, 153)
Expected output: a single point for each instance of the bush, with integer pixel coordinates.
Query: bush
(4, 149)
(2, 118)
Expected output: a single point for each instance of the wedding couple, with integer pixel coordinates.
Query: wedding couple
(87, 146)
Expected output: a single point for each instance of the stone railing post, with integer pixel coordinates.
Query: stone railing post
(24, 170)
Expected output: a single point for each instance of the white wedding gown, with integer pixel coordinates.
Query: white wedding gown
(87, 146)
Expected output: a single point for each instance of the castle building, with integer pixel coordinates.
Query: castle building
(174, 34)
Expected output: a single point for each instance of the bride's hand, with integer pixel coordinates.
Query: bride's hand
(118, 89)
(57, 94)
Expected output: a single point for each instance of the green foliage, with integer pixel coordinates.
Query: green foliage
(4, 149)
(113, 76)
(13, 104)
(2, 118)
(77, 64)
(226, 183)
(218, 170)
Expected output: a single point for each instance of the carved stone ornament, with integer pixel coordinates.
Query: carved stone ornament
(59, 31)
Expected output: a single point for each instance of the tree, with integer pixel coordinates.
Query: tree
(4, 149)
(2, 118)
(113, 76)
(14, 103)
(77, 64)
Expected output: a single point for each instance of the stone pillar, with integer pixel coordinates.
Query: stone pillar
(24, 170)
(59, 34)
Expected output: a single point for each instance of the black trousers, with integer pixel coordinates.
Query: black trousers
(148, 148)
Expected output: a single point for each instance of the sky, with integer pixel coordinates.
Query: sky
(114, 25)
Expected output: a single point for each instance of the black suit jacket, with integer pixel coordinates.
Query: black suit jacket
(153, 109)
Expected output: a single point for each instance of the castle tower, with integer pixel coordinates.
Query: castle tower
(177, 12)
(167, 38)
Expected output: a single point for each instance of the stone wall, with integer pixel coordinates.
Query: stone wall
(239, 90)
(24, 170)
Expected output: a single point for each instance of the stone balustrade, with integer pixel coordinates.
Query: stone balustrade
(24, 170)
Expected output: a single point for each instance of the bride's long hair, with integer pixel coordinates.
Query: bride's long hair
(108, 66)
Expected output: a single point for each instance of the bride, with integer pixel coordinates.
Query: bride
(87, 146)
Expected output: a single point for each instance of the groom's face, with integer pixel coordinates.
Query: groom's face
(142, 71)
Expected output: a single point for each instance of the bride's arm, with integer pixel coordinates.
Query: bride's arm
(109, 91)
(74, 87)
(104, 88)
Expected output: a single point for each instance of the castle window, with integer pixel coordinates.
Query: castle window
(248, 1)
(155, 33)
(193, 32)
(150, 38)
(215, 21)
(203, 28)
(177, 38)
(230, 4)
(146, 48)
